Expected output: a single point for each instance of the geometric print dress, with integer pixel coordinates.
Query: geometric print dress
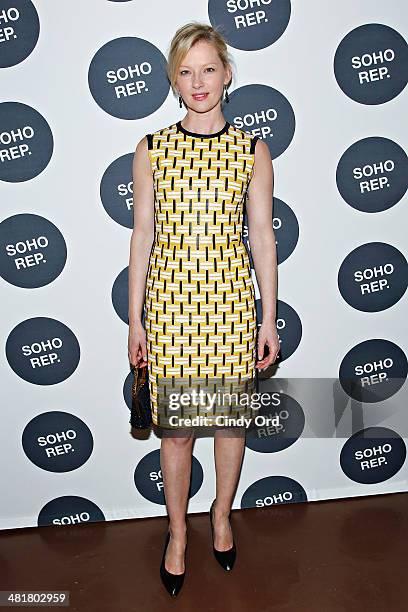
(200, 315)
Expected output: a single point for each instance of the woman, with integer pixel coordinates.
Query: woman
(190, 183)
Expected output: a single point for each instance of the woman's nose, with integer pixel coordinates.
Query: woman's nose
(197, 81)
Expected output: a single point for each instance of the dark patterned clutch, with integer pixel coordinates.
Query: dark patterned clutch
(141, 411)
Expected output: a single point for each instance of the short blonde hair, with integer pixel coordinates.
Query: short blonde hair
(185, 38)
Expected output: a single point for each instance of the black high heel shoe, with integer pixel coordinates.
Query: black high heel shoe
(172, 582)
(226, 558)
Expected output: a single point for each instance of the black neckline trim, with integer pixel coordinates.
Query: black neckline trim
(182, 129)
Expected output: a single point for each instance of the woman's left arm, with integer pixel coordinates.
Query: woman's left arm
(263, 249)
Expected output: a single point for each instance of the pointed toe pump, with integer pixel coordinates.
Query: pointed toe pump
(172, 582)
(226, 558)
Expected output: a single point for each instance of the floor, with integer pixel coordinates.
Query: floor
(340, 555)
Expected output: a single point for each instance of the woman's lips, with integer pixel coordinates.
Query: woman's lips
(200, 96)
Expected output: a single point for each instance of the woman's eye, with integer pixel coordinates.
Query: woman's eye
(182, 72)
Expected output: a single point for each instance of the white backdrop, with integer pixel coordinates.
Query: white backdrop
(67, 135)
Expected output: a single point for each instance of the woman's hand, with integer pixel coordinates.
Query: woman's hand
(267, 336)
(137, 350)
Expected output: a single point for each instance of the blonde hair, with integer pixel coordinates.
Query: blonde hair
(185, 37)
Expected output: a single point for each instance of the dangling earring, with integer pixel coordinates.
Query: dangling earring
(180, 101)
(226, 94)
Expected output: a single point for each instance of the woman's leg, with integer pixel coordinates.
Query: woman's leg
(175, 463)
(229, 446)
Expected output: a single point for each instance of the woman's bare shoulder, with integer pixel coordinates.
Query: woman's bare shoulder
(262, 151)
(141, 161)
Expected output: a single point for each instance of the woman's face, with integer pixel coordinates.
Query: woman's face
(201, 77)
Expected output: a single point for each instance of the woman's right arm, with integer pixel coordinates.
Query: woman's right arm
(140, 246)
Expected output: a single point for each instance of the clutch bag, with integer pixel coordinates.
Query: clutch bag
(141, 411)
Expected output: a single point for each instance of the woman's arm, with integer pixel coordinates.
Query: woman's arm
(263, 248)
(140, 246)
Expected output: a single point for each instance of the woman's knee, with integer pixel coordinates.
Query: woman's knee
(230, 432)
(178, 437)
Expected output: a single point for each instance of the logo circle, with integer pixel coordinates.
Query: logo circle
(42, 351)
(272, 491)
(373, 371)
(372, 175)
(69, 510)
(272, 439)
(33, 251)
(117, 190)
(127, 78)
(20, 30)
(57, 441)
(371, 64)
(26, 142)
(250, 25)
(373, 277)
(148, 478)
(373, 455)
(264, 112)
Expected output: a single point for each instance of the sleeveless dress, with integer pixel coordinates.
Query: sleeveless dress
(199, 311)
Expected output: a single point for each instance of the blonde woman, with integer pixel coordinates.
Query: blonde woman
(190, 270)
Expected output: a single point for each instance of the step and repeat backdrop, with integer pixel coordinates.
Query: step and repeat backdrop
(324, 85)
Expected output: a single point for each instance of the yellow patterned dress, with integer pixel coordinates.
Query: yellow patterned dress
(200, 315)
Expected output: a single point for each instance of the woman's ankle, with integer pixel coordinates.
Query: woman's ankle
(178, 531)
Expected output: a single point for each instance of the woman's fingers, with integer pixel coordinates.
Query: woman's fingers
(273, 349)
(138, 358)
